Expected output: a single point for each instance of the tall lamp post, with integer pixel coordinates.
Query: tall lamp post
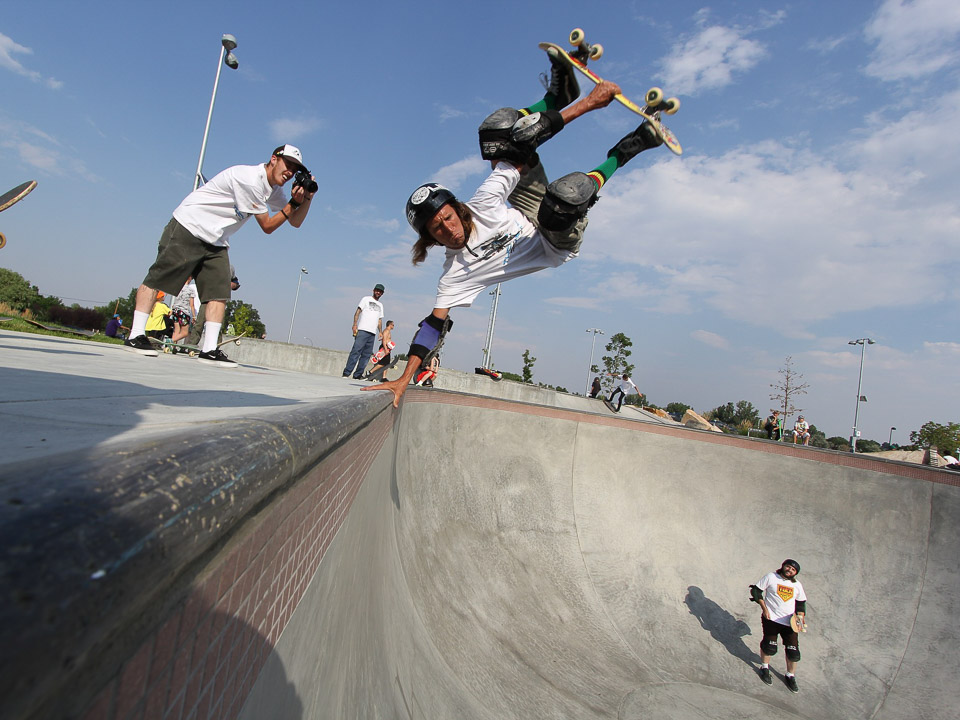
(862, 342)
(890, 439)
(593, 342)
(488, 345)
(303, 271)
(228, 44)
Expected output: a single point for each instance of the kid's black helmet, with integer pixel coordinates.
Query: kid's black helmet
(425, 202)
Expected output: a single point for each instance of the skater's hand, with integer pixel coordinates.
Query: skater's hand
(603, 94)
(397, 387)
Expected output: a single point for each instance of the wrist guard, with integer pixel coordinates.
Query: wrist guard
(431, 332)
(293, 203)
(801, 606)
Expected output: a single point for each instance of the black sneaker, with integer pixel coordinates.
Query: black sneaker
(216, 357)
(766, 676)
(643, 138)
(791, 682)
(563, 81)
(140, 345)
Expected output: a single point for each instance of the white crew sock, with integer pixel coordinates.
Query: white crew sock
(139, 326)
(211, 332)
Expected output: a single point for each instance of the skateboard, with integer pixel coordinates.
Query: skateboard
(492, 374)
(797, 623)
(654, 105)
(382, 352)
(376, 375)
(51, 328)
(12, 197)
(169, 347)
(610, 405)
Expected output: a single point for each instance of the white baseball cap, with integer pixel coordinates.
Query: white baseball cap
(292, 153)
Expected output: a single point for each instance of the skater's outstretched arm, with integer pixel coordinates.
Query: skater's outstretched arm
(399, 386)
(601, 96)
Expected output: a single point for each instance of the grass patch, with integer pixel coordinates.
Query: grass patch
(17, 324)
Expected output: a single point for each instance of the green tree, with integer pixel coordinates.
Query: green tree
(122, 306)
(946, 438)
(528, 361)
(677, 408)
(16, 291)
(511, 376)
(245, 318)
(837, 443)
(742, 412)
(615, 364)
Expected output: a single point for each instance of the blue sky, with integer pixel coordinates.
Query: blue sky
(816, 201)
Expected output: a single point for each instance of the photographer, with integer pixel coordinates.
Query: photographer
(196, 240)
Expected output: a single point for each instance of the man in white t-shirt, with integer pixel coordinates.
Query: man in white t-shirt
(367, 326)
(626, 387)
(780, 596)
(801, 430)
(196, 240)
(488, 241)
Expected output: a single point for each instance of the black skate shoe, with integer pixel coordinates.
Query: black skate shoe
(643, 138)
(791, 682)
(766, 676)
(563, 86)
(567, 201)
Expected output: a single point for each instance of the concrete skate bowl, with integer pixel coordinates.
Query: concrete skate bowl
(512, 561)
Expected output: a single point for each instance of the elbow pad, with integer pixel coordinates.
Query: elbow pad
(756, 594)
(432, 329)
(801, 606)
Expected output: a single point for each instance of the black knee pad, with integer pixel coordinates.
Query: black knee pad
(792, 652)
(768, 646)
(496, 136)
(566, 202)
(534, 130)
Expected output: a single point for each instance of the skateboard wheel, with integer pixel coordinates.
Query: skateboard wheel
(653, 97)
(670, 106)
(596, 52)
(576, 37)
(236, 342)
(192, 353)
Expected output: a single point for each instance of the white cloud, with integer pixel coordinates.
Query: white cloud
(783, 237)
(293, 129)
(8, 47)
(711, 339)
(913, 38)
(454, 174)
(709, 60)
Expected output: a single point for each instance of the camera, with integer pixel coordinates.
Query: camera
(303, 179)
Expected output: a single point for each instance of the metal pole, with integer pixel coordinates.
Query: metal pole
(303, 271)
(890, 439)
(206, 130)
(856, 415)
(590, 366)
(488, 347)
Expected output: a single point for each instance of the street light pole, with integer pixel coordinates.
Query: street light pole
(488, 346)
(593, 342)
(227, 45)
(303, 271)
(890, 439)
(862, 342)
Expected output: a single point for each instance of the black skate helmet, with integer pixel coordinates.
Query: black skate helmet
(792, 563)
(424, 203)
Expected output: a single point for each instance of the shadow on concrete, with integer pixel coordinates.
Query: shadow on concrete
(76, 414)
(722, 626)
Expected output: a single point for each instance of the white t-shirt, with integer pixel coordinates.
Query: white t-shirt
(182, 301)
(215, 211)
(780, 596)
(801, 426)
(627, 386)
(504, 244)
(371, 311)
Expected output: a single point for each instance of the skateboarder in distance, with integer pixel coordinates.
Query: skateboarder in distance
(487, 240)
